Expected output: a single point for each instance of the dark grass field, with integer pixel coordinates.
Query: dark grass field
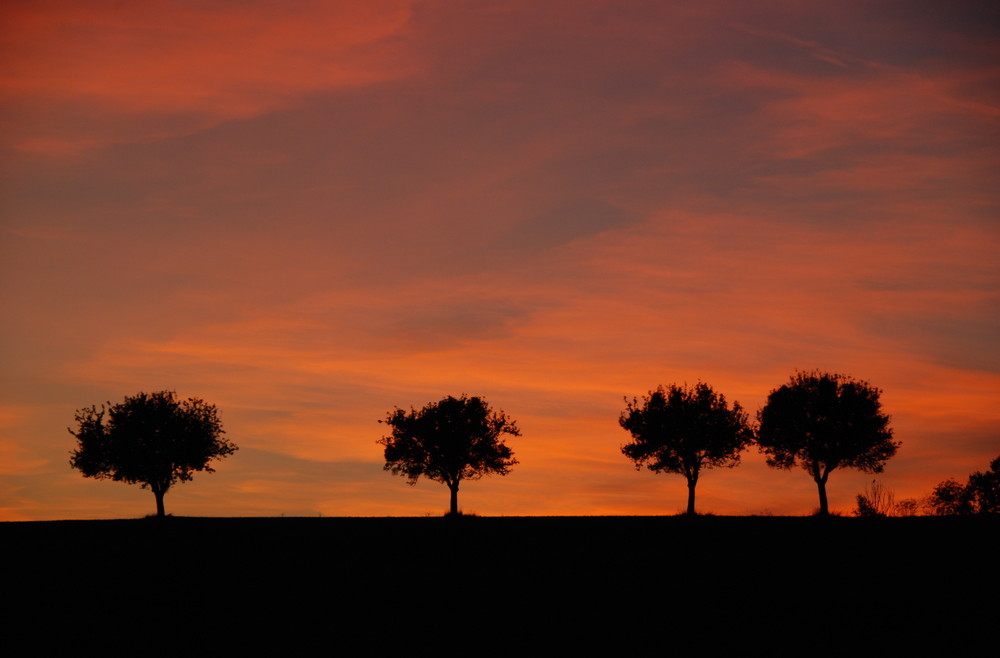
(494, 586)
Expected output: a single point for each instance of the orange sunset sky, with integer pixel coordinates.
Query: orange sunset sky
(309, 213)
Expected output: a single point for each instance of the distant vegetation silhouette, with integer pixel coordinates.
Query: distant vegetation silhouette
(825, 421)
(980, 495)
(449, 441)
(683, 430)
(878, 500)
(153, 439)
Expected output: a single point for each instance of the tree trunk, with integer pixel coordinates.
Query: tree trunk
(159, 502)
(454, 499)
(691, 486)
(824, 509)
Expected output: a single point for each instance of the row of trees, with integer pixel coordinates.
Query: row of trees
(820, 421)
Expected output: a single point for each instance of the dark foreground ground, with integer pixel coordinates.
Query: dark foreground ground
(501, 586)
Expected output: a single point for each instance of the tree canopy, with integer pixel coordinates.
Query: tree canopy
(153, 439)
(683, 430)
(449, 441)
(980, 495)
(825, 421)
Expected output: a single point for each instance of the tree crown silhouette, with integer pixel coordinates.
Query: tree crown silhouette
(683, 430)
(449, 441)
(153, 439)
(980, 495)
(825, 421)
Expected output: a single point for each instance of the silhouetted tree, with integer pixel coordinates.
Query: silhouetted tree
(980, 495)
(449, 441)
(682, 430)
(950, 497)
(825, 421)
(152, 439)
(985, 489)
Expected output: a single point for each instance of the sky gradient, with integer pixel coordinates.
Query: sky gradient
(310, 213)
